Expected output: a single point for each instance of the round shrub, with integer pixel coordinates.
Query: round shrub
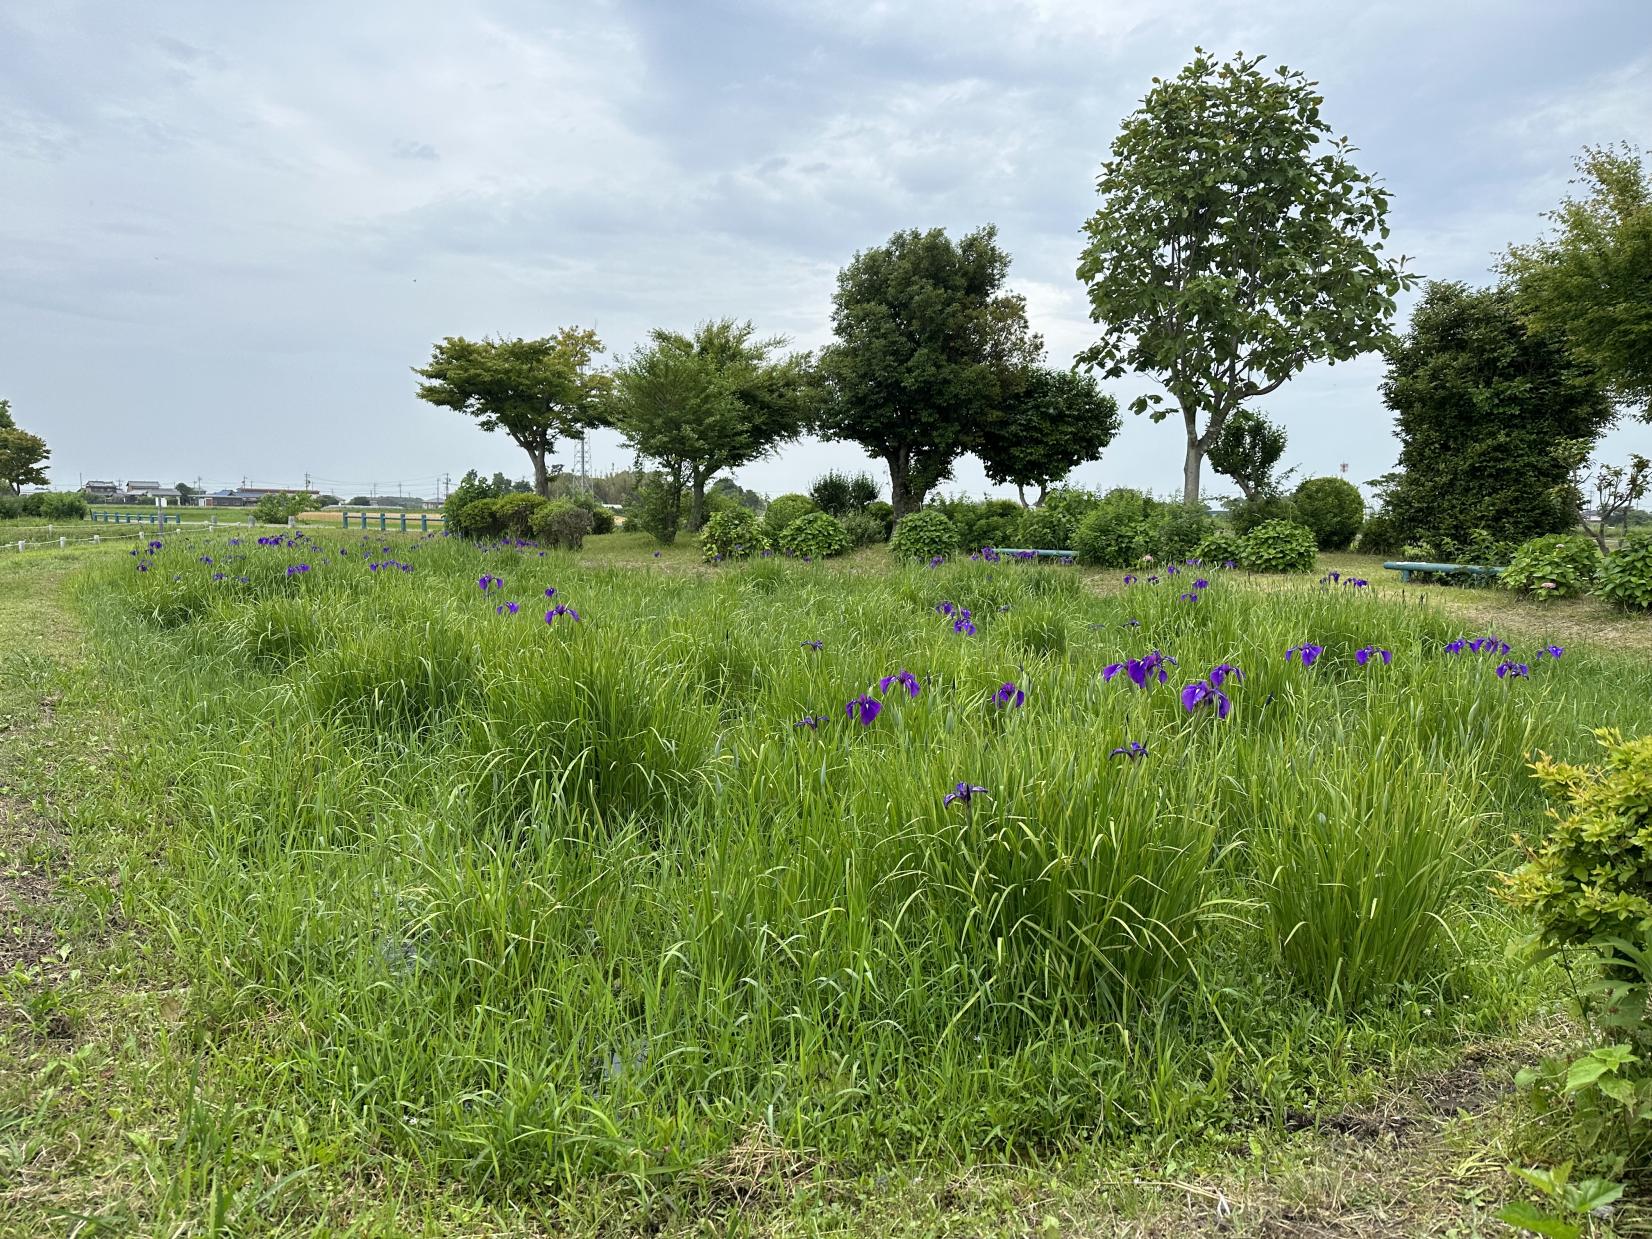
(477, 519)
(1247, 514)
(1561, 565)
(1220, 546)
(734, 533)
(1072, 502)
(563, 523)
(1108, 539)
(602, 519)
(1380, 535)
(1278, 546)
(987, 522)
(1333, 509)
(783, 511)
(816, 536)
(514, 513)
(923, 535)
(1176, 530)
(1044, 530)
(1626, 576)
(864, 529)
(63, 505)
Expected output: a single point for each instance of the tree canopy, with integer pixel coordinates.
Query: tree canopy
(929, 345)
(1247, 450)
(1482, 400)
(22, 455)
(1235, 243)
(536, 391)
(1056, 422)
(718, 399)
(1592, 280)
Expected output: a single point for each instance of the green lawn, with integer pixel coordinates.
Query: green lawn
(350, 902)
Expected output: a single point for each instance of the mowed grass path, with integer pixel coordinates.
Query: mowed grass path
(568, 925)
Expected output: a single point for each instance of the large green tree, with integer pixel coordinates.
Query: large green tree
(1235, 243)
(1247, 450)
(1481, 399)
(1592, 279)
(536, 391)
(699, 404)
(1057, 421)
(930, 344)
(22, 455)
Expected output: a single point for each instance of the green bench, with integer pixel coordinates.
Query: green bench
(1405, 568)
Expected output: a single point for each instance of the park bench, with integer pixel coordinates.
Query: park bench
(1405, 568)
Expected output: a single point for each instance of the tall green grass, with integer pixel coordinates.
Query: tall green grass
(534, 902)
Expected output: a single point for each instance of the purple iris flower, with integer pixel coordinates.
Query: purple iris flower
(814, 645)
(506, 608)
(293, 569)
(487, 581)
(963, 793)
(937, 561)
(1202, 693)
(1365, 655)
(1140, 670)
(1519, 671)
(1308, 650)
(1455, 647)
(560, 609)
(206, 559)
(1551, 651)
(1230, 563)
(154, 546)
(1188, 598)
(1225, 671)
(1201, 583)
(1129, 579)
(656, 554)
(1134, 751)
(962, 625)
(989, 554)
(812, 722)
(1358, 582)
(550, 591)
(901, 679)
(864, 709)
(1332, 577)
(1010, 694)
(1152, 580)
(945, 608)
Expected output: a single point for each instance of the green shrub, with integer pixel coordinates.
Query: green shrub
(471, 487)
(816, 536)
(562, 524)
(1380, 535)
(1043, 530)
(1333, 509)
(734, 533)
(63, 505)
(923, 535)
(1072, 502)
(602, 519)
(1220, 546)
(278, 509)
(864, 529)
(514, 513)
(1278, 546)
(1626, 575)
(783, 511)
(842, 495)
(985, 522)
(1561, 565)
(884, 514)
(1175, 531)
(1106, 539)
(657, 508)
(477, 519)
(1247, 514)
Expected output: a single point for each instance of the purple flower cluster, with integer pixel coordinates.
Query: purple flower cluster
(1207, 693)
(1140, 670)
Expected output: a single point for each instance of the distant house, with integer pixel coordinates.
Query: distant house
(104, 491)
(247, 496)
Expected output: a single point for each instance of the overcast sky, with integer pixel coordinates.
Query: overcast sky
(228, 230)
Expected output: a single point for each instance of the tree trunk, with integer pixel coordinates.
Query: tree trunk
(1190, 470)
(1043, 490)
(1021, 493)
(903, 497)
(697, 508)
(541, 479)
